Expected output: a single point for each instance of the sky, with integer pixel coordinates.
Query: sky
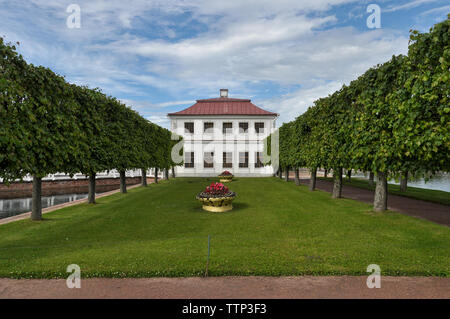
(159, 56)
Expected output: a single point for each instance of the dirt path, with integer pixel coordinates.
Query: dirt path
(413, 207)
(230, 288)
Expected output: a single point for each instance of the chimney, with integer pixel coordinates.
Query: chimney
(223, 92)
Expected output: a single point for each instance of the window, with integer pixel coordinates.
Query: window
(243, 127)
(208, 127)
(189, 127)
(208, 159)
(227, 159)
(188, 159)
(259, 127)
(243, 159)
(259, 158)
(227, 128)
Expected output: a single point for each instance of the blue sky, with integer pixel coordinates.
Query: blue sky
(160, 56)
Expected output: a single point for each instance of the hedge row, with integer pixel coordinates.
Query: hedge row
(48, 125)
(392, 120)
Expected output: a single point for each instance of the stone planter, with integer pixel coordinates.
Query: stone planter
(217, 204)
(225, 178)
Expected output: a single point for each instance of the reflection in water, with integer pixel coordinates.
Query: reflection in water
(16, 206)
(438, 182)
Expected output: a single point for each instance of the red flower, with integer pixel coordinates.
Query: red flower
(216, 189)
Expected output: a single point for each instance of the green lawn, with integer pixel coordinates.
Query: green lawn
(429, 195)
(276, 228)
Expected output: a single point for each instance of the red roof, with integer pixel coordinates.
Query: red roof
(224, 106)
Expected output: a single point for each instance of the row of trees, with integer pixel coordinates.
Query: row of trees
(392, 121)
(48, 125)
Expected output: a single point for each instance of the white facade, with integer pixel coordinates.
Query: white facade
(243, 146)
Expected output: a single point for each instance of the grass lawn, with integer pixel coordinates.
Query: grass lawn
(276, 228)
(429, 195)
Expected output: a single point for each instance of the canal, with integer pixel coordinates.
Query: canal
(16, 206)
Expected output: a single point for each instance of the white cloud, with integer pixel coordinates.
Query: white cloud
(244, 45)
(408, 5)
(291, 105)
(159, 119)
(440, 10)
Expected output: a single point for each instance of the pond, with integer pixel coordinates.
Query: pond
(16, 206)
(439, 182)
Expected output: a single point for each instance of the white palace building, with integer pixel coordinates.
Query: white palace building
(223, 134)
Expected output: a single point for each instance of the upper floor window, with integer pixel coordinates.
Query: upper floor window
(259, 127)
(208, 127)
(243, 159)
(188, 159)
(227, 128)
(243, 127)
(189, 127)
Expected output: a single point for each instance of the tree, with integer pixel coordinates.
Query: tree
(373, 135)
(423, 127)
(57, 143)
(91, 118)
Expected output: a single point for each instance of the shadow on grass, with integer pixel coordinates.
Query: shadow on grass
(236, 208)
(239, 206)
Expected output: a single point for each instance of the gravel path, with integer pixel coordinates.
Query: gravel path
(230, 288)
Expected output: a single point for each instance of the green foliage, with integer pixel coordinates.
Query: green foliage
(48, 125)
(393, 118)
(423, 105)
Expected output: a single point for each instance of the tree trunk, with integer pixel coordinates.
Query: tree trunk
(156, 175)
(297, 178)
(325, 174)
(166, 174)
(371, 178)
(91, 195)
(173, 172)
(286, 177)
(123, 182)
(349, 174)
(312, 180)
(337, 184)
(404, 182)
(280, 172)
(380, 198)
(144, 177)
(36, 204)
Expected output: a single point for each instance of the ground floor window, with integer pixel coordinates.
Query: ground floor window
(188, 159)
(259, 157)
(227, 159)
(208, 159)
(243, 159)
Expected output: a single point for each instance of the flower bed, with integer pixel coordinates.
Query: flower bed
(217, 198)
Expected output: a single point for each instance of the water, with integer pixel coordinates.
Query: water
(16, 206)
(439, 182)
